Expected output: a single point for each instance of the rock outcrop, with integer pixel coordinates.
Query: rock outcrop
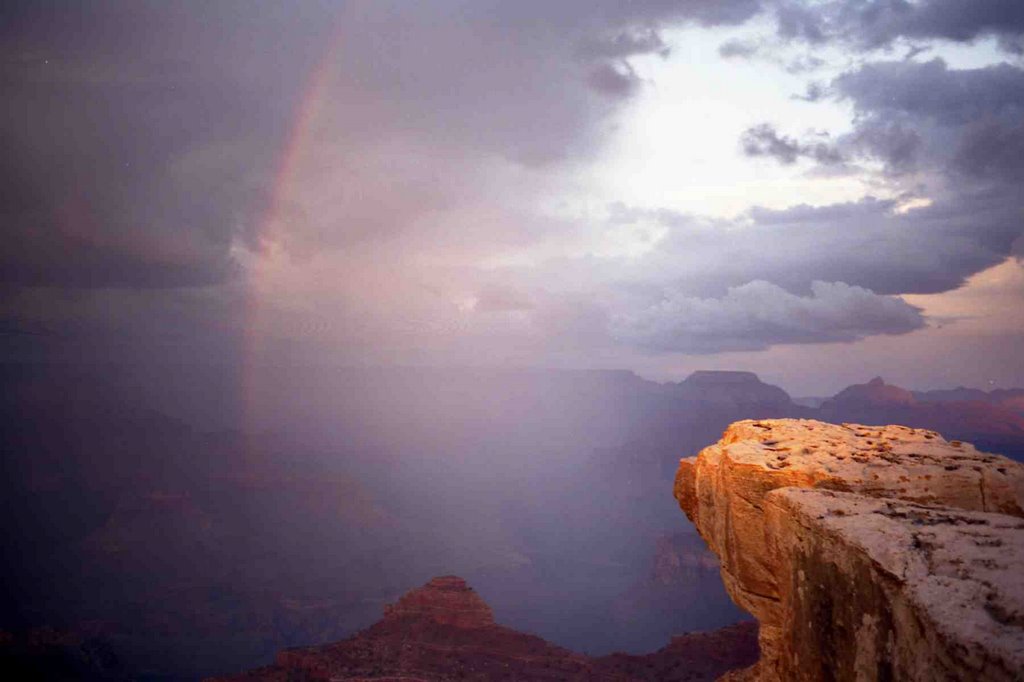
(445, 631)
(446, 600)
(866, 552)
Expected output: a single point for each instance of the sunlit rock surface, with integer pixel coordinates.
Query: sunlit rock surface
(866, 552)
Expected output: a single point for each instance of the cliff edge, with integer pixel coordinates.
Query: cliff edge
(865, 552)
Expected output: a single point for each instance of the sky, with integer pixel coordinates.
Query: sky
(818, 191)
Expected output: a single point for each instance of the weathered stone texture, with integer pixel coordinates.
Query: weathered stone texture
(866, 552)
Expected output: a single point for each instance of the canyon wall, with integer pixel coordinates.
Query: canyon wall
(866, 553)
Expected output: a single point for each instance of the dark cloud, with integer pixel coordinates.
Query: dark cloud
(953, 136)
(867, 243)
(873, 244)
(625, 44)
(742, 49)
(151, 149)
(814, 92)
(894, 142)
(803, 64)
(915, 50)
(764, 140)
(757, 315)
(960, 20)
(947, 144)
(100, 187)
(143, 141)
(616, 80)
(931, 91)
(917, 116)
(700, 12)
(964, 125)
(125, 158)
(870, 24)
(765, 50)
(797, 21)
(991, 150)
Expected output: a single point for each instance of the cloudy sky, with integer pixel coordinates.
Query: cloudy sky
(819, 191)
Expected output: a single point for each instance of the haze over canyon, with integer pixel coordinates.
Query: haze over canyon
(190, 551)
(304, 305)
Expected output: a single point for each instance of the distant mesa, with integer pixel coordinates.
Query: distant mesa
(1011, 399)
(875, 392)
(732, 388)
(708, 377)
(958, 394)
(995, 423)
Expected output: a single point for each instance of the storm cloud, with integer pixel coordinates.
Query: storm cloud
(144, 141)
(945, 142)
(962, 123)
(765, 140)
(757, 315)
(416, 174)
(944, 134)
(867, 243)
(869, 24)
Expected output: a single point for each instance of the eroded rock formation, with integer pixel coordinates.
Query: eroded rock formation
(446, 600)
(866, 552)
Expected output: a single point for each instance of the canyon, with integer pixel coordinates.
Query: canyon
(186, 549)
(445, 631)
(865, 552)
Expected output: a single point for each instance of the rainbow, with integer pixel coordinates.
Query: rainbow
(296, 149)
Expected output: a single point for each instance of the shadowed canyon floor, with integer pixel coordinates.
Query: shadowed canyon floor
(445, 631)
(867, 553)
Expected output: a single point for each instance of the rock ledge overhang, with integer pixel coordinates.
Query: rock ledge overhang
(866, 552)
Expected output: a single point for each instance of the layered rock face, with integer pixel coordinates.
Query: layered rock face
(866, 552)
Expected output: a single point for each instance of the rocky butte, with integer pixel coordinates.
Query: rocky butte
(865, 552)
(445, 631)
